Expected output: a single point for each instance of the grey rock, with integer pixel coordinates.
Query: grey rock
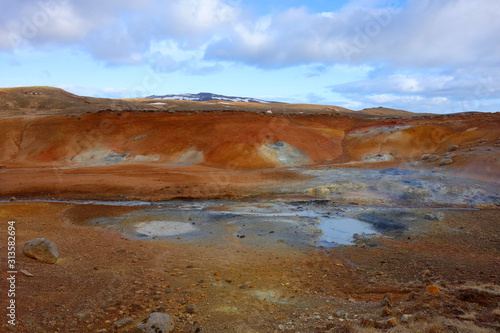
(439, 216)
(452, 148)
(339, 314)
(41, 249)
(445, 161)
(433, 158)
(192, 308)
(157, 323)
(82, 315)
(425, 157)
(406, 318)
(123, 322)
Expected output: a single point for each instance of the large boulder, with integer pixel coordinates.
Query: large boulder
(156, 323)
(41, 249)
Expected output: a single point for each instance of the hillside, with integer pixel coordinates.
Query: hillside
(50, 101)
(388, 112)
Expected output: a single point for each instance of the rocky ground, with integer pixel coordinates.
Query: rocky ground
(442, 279)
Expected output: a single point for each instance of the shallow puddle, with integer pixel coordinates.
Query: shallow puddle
(163, 228)
(342, 230)
(241, 223)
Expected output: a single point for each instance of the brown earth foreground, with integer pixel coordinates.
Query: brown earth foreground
(416, 275)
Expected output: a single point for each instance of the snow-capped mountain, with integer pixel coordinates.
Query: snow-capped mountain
(203, 96)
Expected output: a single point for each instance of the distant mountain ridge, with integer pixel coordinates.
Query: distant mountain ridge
(204, 97)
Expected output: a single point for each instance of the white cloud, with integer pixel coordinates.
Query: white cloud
(456, 85)
(424, 34)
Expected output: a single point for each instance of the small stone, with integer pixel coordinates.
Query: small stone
(192, 308)
(425, 157)
(339, 314)
(25, 272)
(123, 322)
(41, 249)
(392, 322)
(406, 318)
(439, 216)
(82, 315)
(445, 161)
(281, 327)
(433, 290)
(433, 158)
(386, 311)
(452, 148)
(157, 322)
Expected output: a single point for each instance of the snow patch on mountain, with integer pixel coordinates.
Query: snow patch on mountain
(203, 97)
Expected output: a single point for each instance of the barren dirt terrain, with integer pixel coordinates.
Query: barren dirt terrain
(243, 217)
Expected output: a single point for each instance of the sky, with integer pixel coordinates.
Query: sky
(438, 56)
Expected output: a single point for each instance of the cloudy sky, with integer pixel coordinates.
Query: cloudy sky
(438, 56)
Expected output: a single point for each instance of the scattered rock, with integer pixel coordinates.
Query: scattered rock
(392, 322)
(433, 158)
(157, 323)
(406, 318)
(439, 216)
(123, 322)
(13, 199)
(433, 290)
(82, 315)
(41, 249)
(321, 191)
(425, 157)
(25, 272)
(192, 308)
(452, 148)
(339, 314)
(387, 301)
(386, 311)
(445, 161)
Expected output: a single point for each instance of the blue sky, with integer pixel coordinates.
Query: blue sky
(437, 56)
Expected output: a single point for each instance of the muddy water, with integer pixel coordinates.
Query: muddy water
(258, 224)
